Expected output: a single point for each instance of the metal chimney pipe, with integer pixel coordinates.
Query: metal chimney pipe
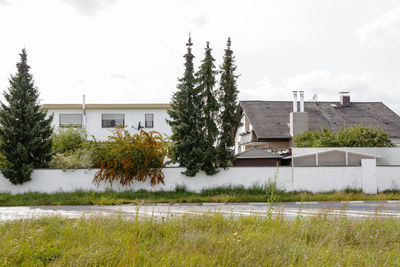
(301, 101)
(294, 101)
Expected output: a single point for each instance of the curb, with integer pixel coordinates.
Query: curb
(215, 204)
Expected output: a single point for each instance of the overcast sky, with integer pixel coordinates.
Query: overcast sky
(121, 51)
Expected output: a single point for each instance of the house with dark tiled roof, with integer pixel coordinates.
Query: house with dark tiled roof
(271, 125)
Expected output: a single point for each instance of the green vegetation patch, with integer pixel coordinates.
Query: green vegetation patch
(182, 195)
(201, 241)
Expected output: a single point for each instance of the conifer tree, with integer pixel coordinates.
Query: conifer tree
(25, 128)
(229, 118)
(186, 120)
(206, 86)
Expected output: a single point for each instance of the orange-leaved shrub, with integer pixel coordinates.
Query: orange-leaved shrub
(128, 157)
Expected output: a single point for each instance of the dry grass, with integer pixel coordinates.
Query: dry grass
(201, 241)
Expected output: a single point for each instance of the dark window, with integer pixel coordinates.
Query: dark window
(149, 120)
(112, 120)
(70, 120)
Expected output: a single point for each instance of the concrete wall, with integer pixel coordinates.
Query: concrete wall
(316, 179)
(388, 177)
(132, 118)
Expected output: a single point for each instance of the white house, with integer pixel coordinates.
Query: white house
(100, 119)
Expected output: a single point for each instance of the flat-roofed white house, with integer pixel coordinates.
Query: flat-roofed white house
(100, 119)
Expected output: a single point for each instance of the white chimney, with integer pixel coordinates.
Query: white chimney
(294, 101)
(301, 101)
(298, 121)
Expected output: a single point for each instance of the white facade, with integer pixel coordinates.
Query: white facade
(244, 134)
(132, 115)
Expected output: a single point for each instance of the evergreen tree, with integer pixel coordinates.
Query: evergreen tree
(186, 120)
(205, 84)
(230, 117)
(25, 128)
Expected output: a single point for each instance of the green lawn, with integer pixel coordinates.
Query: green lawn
(181, 195)
(201, 241)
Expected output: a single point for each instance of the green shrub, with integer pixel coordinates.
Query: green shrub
(68, 139)
(126, 158)
(354, 136)
(363, 136)
(79, 159)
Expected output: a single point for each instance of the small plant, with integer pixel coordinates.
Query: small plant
(68, 139)
(126, 158)
(181, 189)
(80, 159)
(272, 190)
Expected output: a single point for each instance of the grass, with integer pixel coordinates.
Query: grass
(201, 241)
(182, 195)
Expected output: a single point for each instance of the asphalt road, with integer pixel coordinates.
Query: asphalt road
(358, 209)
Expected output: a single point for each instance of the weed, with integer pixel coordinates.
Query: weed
(270, 192)
(211, 240)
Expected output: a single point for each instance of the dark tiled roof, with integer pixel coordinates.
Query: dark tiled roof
(270, 119)
(257, 153)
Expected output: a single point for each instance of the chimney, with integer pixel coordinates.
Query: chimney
(298, 120)
(294, 101)
(301, 101)
(345, 99)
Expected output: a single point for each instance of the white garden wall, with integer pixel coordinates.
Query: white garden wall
(315, 179)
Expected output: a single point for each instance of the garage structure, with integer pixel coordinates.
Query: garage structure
(256, 157)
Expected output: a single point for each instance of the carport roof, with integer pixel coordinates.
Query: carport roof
(257, 153)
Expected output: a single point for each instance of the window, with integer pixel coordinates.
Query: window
(112, 120)
(149, 120)
(70, 120)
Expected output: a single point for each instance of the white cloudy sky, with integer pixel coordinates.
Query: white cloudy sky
(122, 51)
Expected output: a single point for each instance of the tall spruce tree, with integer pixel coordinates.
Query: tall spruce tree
(186, 120)
(25, 128)
(206, 86)
(229, 118)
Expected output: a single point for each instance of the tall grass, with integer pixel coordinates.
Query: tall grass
(201, 241)
(256, 193)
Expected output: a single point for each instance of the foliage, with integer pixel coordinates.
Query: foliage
(314, 138)
(2, 161)
(362, 136)
(272, 190)
(205, 85)
(229, 118)
(222, 194)
(186, 120)
(212, 240)
(68, 139)
(25, 128)
(354, 136)
(78, 159)
(126, 158)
